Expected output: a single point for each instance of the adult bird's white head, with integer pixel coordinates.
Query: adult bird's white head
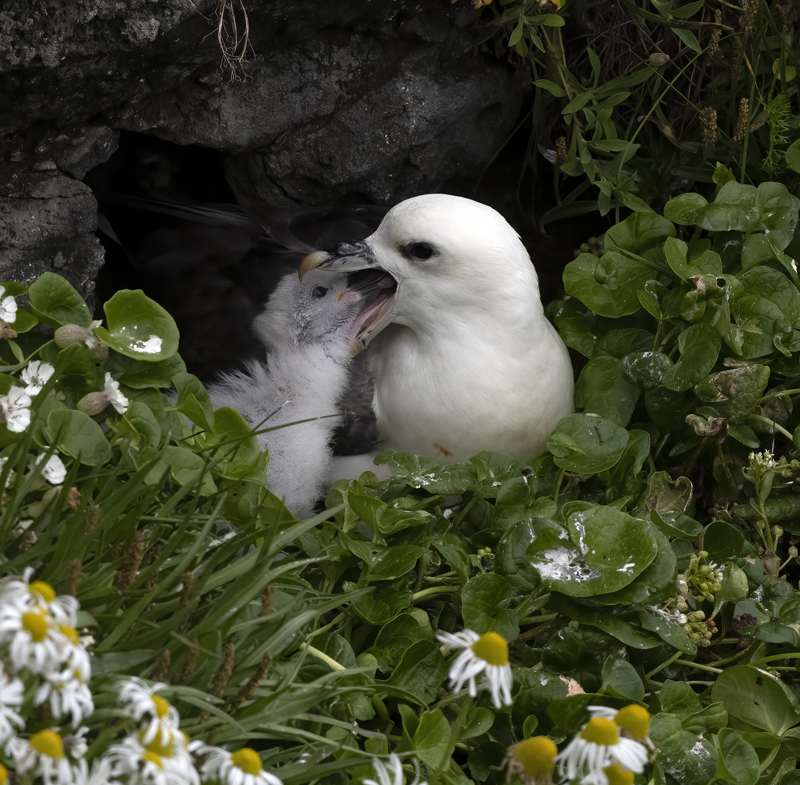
(467, 360)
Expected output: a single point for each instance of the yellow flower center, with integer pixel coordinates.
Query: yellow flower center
(537, 755)
(71, 633)
(635, 720)
(601, 731)
(3, 774)
(166, 750)
(44, 590)
(47, 742)
(492, 648)
(247, 760)
(153, 757)
(35, 622)
(162, 707)
(618, 776)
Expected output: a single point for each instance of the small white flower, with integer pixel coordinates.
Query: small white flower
(115, 397)
(68, 693)
(8, 307)
(143, 705)
(35, 641)
(242, 767)
(485, 654)
(15, 408)
(53, 471)
(43, 754)
(91, 341)
(99, 774)
(154, 764)
(76, 743)
(11, 694)
(29, 595)
(36, 375)
(598, 746)
(394, 766)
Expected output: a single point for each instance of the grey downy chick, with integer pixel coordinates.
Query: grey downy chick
(308, 327)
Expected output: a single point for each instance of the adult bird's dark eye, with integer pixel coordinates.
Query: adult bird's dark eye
(421, 251)
(318, 291)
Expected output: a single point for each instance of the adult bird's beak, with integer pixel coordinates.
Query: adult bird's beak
(354, 258)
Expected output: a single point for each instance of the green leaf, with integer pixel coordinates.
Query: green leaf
(607, 285)
(420, 472)
(194, 402)
(757, 697)
(685, 209)
(686, 759)
(395, 638)
(78, 435)
(482, 598)
(604, 389)
(620, 680)
(604, 551)
(739, 761)
(678, 698)
(587, 443)
(138, 327)
(141, 375)
(433, 740)
(421, 670)
(793, 156)
(699, 347)
(55, 301)
(669, 631)
(382, 605)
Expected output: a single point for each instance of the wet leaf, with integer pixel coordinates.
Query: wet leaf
(607, 285)
(586, 443)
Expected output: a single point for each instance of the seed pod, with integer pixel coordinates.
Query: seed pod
(93, 403)
(68, 334)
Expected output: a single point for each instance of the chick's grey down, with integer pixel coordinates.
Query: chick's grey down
(308, 327)
(463, 357)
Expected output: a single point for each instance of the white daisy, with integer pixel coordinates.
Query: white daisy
(8, 307)
(35, 641)
(67, 693)
(53, 470)
(143, 705)
(633, 721)
(153, 764)
(242, 767)
(76, 744)
(15, 408)
(43, 754)
(35, 375)
(597, 747)
(99, 774)
(394, 766)
(29, 595)
(11, 694)
(485, 654)
(115, 397)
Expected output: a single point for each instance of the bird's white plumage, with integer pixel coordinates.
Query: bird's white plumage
(307, 372)
(469, 362)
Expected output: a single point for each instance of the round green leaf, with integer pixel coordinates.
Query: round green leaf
(55, 302)
(78, 435)
(699, 346)
(604, 550)
(603, 389)
(757, 697)
(607, 285)
(138, 327)
(587, 443)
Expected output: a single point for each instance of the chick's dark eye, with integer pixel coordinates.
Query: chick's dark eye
(318, 291)
(421, 250)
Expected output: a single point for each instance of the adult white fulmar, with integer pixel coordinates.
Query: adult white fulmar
(466, 360)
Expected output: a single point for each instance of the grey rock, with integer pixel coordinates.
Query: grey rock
(46, 223)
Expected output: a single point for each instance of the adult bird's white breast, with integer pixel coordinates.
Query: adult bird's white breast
(465, 360)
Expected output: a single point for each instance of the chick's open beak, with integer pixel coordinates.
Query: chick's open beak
(355, 258)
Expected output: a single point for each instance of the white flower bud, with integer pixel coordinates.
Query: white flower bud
(93, 403)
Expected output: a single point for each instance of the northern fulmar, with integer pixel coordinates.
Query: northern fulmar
(463, 356)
